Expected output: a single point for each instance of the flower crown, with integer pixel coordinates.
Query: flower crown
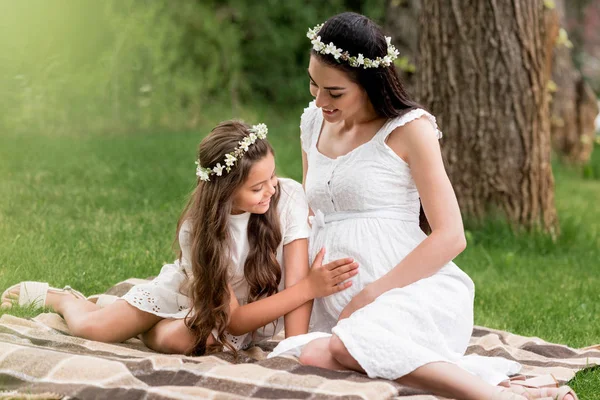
(359, 61)
(256, 132)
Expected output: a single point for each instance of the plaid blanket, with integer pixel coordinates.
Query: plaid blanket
(40, 360)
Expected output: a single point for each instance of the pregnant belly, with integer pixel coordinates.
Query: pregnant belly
(335, 303)
(376, 245)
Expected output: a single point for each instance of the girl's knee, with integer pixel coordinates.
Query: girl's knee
(174, 345)
(171, 337)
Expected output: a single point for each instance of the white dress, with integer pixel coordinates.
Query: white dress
(367, 206)
(165, 295)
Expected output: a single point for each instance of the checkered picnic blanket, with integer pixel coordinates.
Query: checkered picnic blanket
(40, 360)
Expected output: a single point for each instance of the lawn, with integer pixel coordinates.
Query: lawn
(91, 210)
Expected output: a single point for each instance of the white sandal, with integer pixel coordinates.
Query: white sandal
(33, 294)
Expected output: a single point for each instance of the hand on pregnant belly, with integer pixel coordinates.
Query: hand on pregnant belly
(333, 277)
(362, 299)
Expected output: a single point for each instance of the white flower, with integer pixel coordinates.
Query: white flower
(387, 61)
(392, 52)
(318, 46)
(360, 60)
(244, 144)
(260, 127)
(230, 160)
(202, 173)
(253, 137)
(337, 53)
(314, 31)
(218, 169)
(330, 48)
(261, 130)
(388, 40)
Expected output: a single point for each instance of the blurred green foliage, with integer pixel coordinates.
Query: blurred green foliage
(124, 65)
(592, 169)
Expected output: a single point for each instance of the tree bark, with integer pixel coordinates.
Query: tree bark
(402, 19)
(483, 71)
(573, 108)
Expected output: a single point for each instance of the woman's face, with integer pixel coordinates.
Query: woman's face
(334, 92)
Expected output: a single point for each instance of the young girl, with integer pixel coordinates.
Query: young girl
(371, 158)
(243, 262)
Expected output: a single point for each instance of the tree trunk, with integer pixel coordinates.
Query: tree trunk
(483, 71)
(402, 18)
(573, 108)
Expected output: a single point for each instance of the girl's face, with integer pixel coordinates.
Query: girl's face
(334, 92)
(254, 196)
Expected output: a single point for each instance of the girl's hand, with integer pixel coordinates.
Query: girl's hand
(362, 299)
(330, 278)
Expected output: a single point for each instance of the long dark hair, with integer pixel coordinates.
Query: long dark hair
(357, 34)
(208, 212)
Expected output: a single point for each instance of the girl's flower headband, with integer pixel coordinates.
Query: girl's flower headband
(359, 61)
(256, 132)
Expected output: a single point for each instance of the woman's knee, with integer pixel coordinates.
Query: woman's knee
(307, 356)
(337, 349)
(314, 352)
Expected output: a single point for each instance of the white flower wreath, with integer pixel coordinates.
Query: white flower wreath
(256, 132)
(358, 61)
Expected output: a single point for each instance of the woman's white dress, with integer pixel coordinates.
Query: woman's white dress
(366, 206)
(166, 295)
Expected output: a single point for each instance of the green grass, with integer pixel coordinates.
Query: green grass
(91, 210)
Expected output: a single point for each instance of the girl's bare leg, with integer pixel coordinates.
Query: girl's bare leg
(114, 323)
(171, 336)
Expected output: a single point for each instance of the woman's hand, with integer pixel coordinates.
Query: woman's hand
(362, 299)
(330, 278)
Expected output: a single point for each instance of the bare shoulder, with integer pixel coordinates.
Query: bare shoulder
(413, 137)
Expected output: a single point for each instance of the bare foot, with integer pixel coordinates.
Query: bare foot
(541, 393)
(506, 394)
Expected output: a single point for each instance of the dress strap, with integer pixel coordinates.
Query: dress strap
(310, 125)
(404, 119)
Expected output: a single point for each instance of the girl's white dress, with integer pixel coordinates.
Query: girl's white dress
(366, 206)
(166, 296)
